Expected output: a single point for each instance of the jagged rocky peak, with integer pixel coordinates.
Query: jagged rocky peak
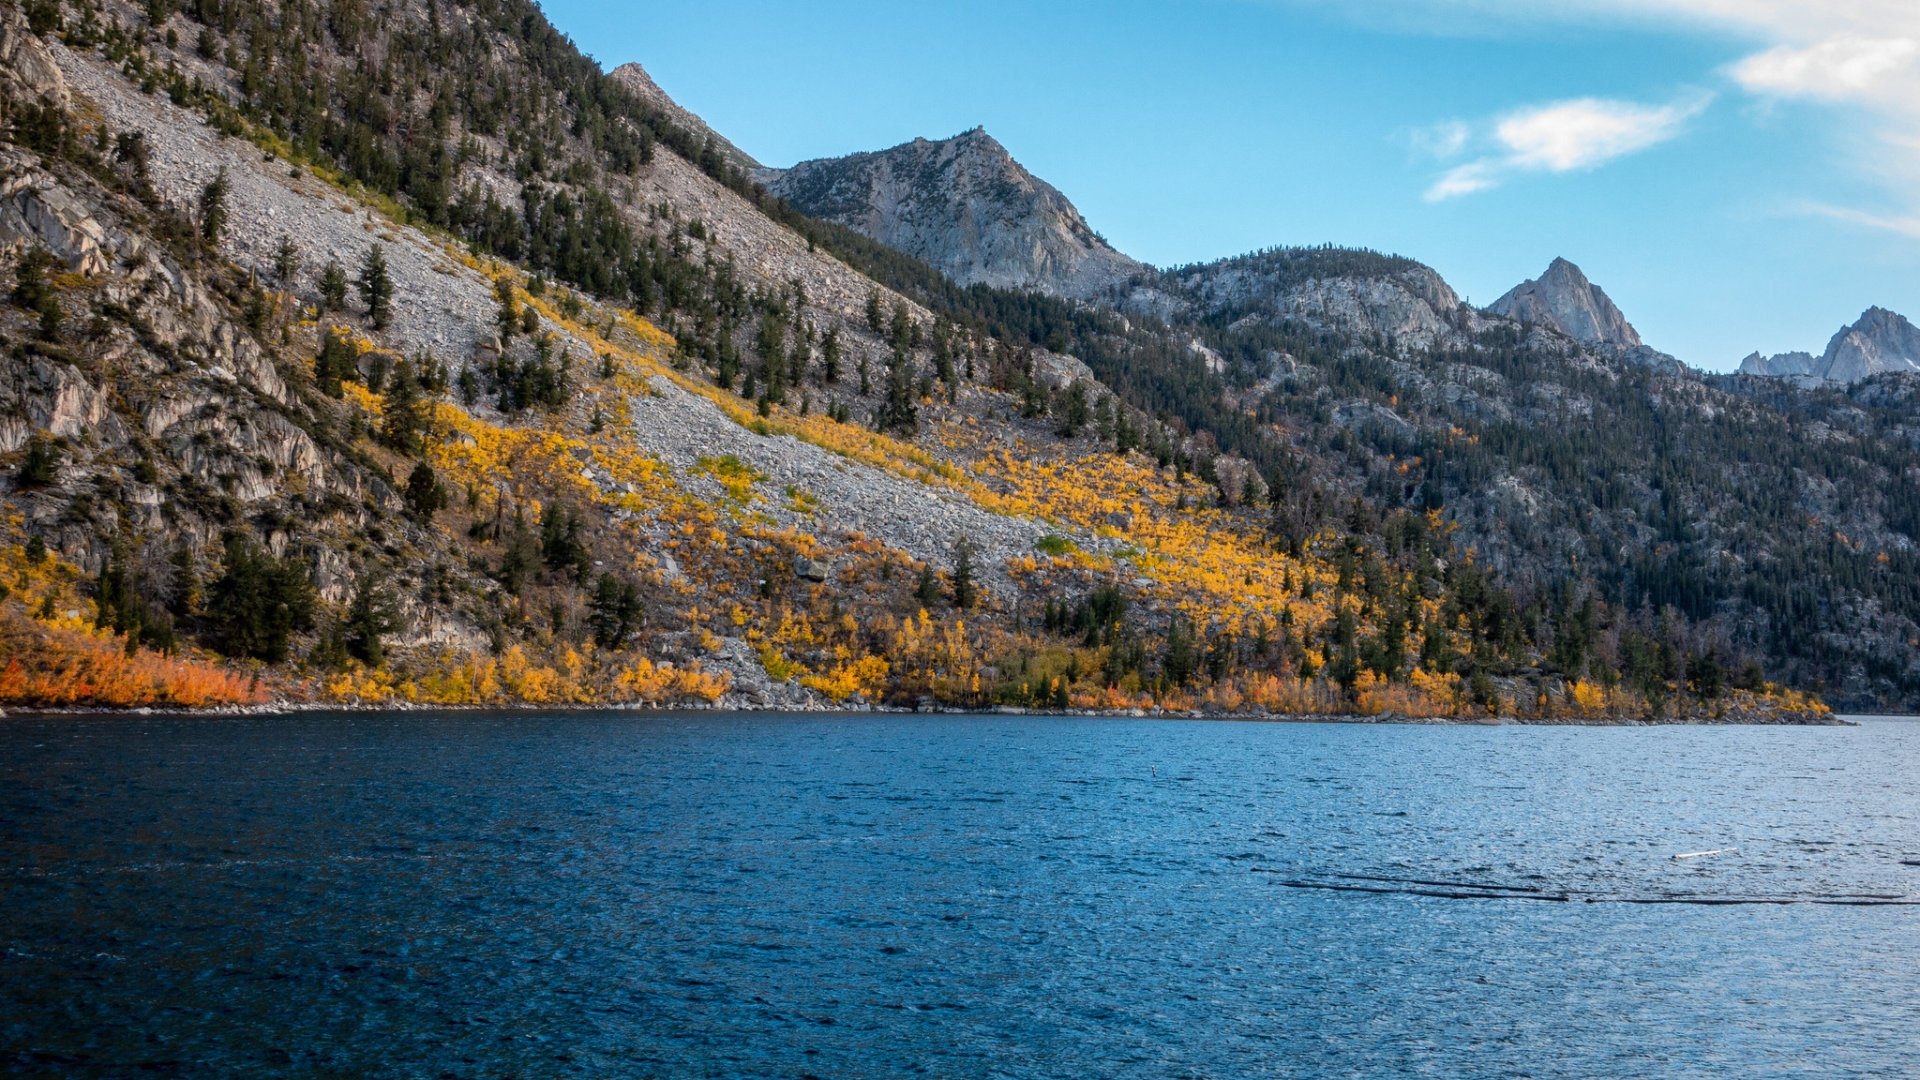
(1878, 342)
(1779, 365)
(635, 78)
(1565, 300)
(964, 205)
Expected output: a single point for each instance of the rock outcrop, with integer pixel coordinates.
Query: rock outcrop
(1779, 365)
(965, 206)
(27, 69)
(1880, 341)
(1563, 298)
(1344, 290)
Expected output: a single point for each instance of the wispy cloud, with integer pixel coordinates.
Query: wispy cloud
(1903, 225)
(1861, 57)
(1559, 137)
(1837, 69)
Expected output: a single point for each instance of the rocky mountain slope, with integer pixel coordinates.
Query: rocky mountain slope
(1879, 342)
(1566, 452)
(635, 78)
(363, 355)
(965, 206)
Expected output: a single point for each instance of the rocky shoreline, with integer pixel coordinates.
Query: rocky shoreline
(1728, 718)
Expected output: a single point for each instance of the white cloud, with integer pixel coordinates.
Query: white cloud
(1585, 132)
(1837, 69)
(1564, 136)
(1861, 57)
(1464, 180)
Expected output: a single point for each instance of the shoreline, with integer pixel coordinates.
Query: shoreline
(293, 708)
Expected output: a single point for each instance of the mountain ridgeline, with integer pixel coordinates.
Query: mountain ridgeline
(964, 206)
(1570, 454)
(1878, 343)
(400, 353)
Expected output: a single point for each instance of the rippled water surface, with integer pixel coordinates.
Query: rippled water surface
(416, 895)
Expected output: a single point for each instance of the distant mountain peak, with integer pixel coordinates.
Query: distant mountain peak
(1564, 299)
(1879, 341)
(964, 205)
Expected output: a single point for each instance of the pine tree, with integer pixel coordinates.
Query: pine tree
(376, 286)
(286, 261)
(927, 588)
(33, 290)
(257, 603)
(405, 414)
(1074, 411)
(41, 465)
(333, 286)
(616, 611)
(335, 364)
(830, 357)
(899, 413)
(213, 207)
(371, 616)
(425, 494)
(963, 586)
(508, 317)
(771, 342)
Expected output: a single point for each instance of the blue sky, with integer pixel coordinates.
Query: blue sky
(1737, 174)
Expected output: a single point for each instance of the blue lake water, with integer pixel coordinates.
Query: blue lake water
(715, 895)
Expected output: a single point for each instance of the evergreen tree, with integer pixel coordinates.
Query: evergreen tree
(41, 465)
(616, 611)
(963, 585)
(286, 261)
(507, 318)
(376, 286)
(213, 207)
(335, 364)
(927, 588)
(333, 286)
(771, 342)
(34, 291)
(185, 570)
(371, 616)
(899, 413)
(404, 417)
(830, 357)
(1181, 659)
(561, 546)
(1074, 411)
(119, 606)
(425, 494)
(257, 603)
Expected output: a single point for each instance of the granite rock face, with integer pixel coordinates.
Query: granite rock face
(1563, 299)
(1880, 341)
(965, 206)
(1779, 365)
(1341, 290)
